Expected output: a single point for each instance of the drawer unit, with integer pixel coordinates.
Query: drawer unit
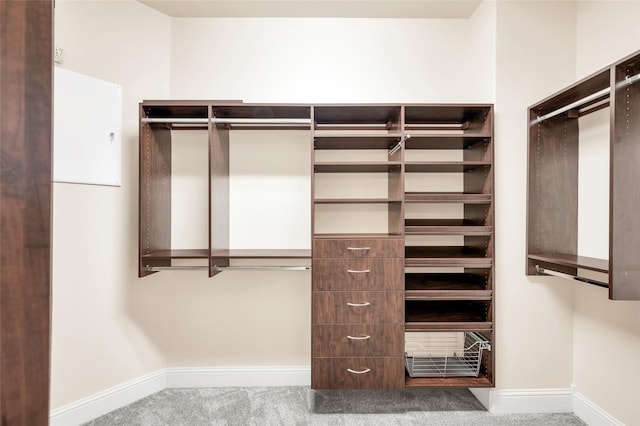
(358, 313)
(348, 248)
(358, 274)
(358, 307)
(357, 340)
(358, 373)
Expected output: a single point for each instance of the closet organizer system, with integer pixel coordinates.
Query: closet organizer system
(552, 246)
(402, 267)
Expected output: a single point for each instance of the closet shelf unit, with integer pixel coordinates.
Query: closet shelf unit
(448, 230)
(552, 212)
(401, 221)
(158, 121)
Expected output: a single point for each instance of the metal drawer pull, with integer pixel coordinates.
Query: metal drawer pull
(357, 271)
(366, 370)
(358, 248)
(365, 337)
(358, 304)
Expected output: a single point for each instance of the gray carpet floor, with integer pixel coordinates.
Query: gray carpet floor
(298, 405)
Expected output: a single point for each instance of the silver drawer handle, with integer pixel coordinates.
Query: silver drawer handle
(365, 337)
(358, 304)
(358, 248)
(366, 370)
(358, 271)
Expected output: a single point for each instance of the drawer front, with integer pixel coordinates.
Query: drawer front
(358, 307)
(360, 248)
(358, 274)
(357, 373)
(357, 340)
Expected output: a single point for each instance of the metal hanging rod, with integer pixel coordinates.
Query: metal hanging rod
(241, 121)
(262, 121)
(628, 80)
(570, 277)
(399, 144)
(262, 268)
(175, 120)
(575, 104)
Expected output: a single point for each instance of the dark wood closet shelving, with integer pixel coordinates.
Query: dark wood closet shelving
(445, 227)
(448, 197)
(357, 167)
(554, 145)
(360, 256)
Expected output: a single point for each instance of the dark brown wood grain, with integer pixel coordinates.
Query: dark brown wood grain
(337, 307)
(349, 274)
(624, 235)
(25, 210)
(343, 340)
(357, 248)
(333, 373)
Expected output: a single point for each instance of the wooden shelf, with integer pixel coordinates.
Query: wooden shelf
(466, 382)
(356, 114)
(445, 227)
(446, 141)
(447, 197)
(446, 256)
(443, 166)
(448, 326)
(445, 282)
(350, 141)
(378, 236)
(357, 167)
(356, 200)
(448, 295)
(446, 311)
(262, 254)
(177, 254)
(583, 262)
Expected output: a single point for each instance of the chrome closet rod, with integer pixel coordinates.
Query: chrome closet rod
(175, 120)
(627, 80)
(216, 120)
(573, 105)
(175, 268)
(570, 277)
(262, 268)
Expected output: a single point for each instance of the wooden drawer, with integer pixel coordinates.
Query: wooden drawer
(357, 373)
(349, 248)
(358, 307)
(358, 274)
(357, 340)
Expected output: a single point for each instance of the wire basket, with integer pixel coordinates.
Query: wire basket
(463, 360)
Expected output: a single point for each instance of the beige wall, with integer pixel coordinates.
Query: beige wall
(606, 337)
(97, 343)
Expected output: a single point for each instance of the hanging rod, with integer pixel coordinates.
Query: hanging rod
(262, 268)
(175, 120)
(570, 277)
(399, 144)
(260, 121)
(628, 80)
(575, 104)
(246, 121)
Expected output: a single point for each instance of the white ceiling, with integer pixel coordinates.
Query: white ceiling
(316, 8)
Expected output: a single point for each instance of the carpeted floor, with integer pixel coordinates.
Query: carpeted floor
(299, 405)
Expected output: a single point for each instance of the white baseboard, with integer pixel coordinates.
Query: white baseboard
(496, 401)
(108, 400)
(116, 397)
(544, 401)
(591, 414)
(238, 376)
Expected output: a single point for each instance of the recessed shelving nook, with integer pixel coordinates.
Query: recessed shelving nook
(553, 193)
(401, 228)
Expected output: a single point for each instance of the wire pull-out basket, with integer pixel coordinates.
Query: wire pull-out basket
(459, 360)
